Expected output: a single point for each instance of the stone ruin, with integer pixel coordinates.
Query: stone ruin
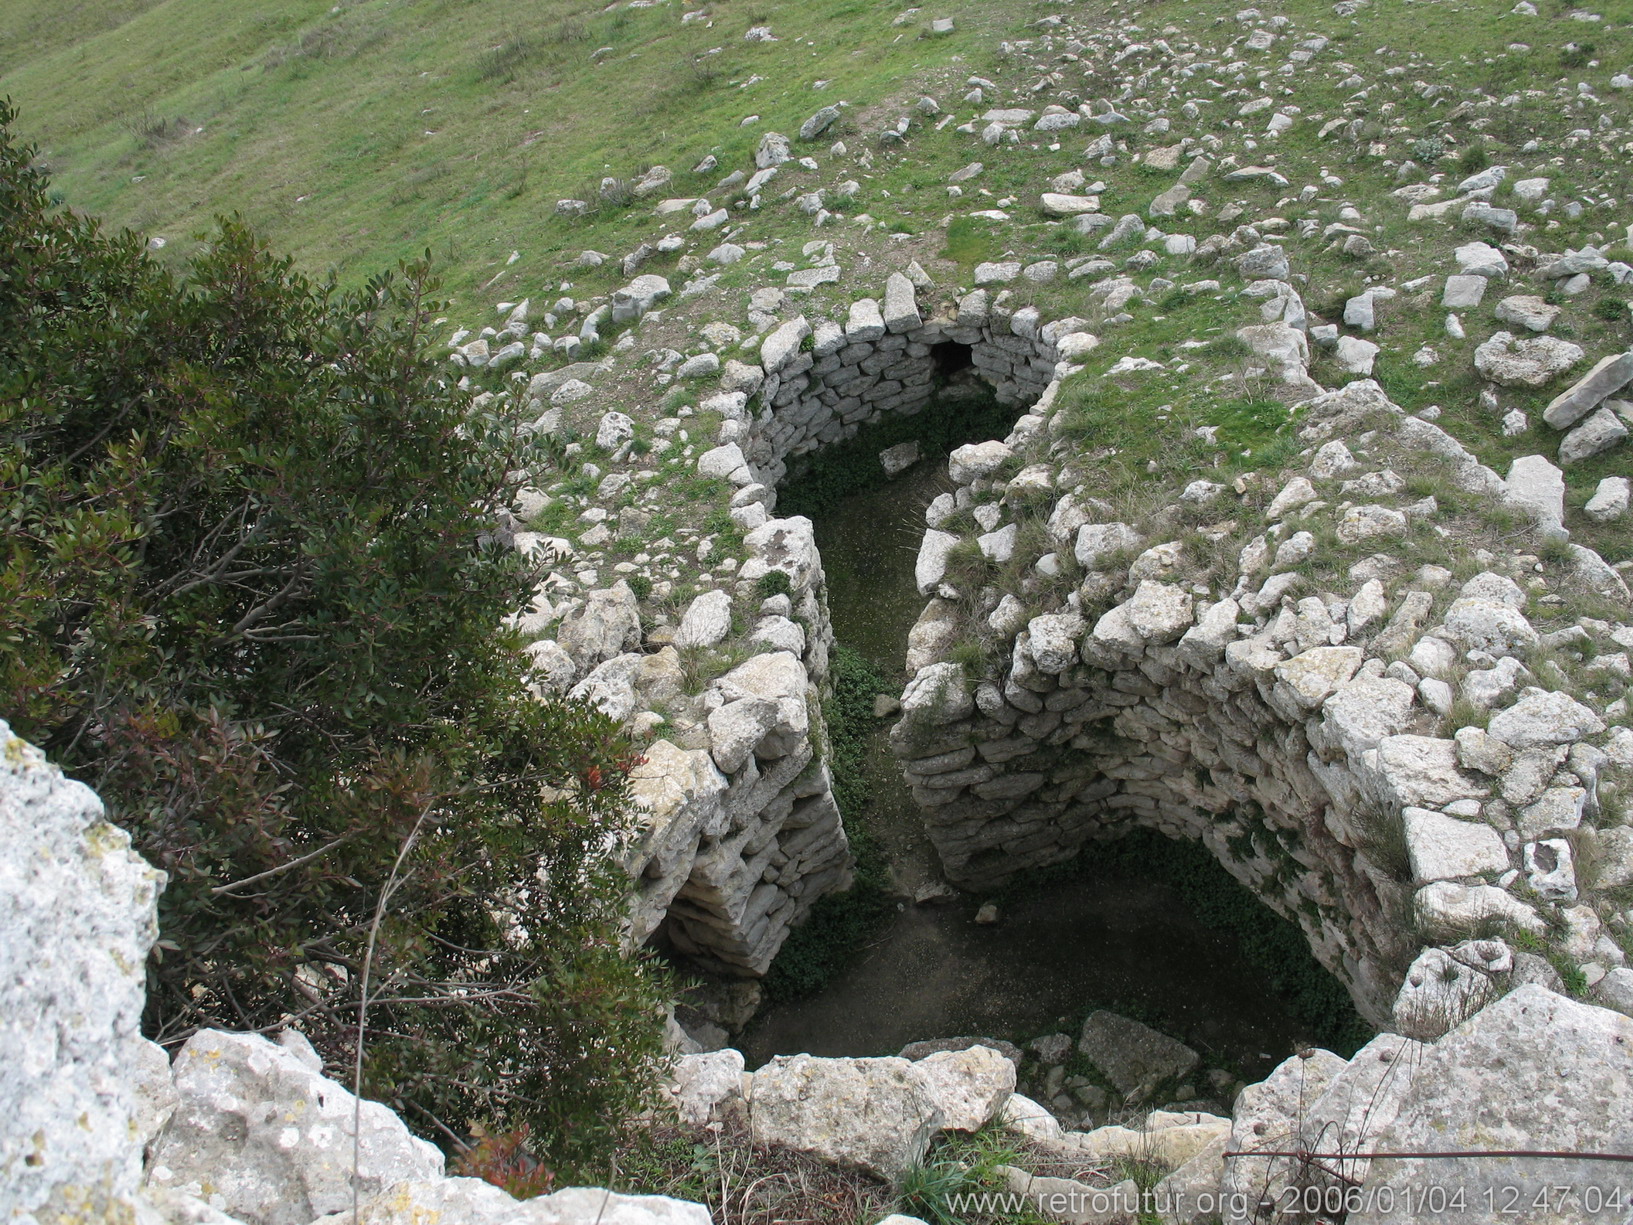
(1304, 739)
(1301, 735)
(98, 1124)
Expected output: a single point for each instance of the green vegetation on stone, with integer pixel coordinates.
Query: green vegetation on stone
(841, 923)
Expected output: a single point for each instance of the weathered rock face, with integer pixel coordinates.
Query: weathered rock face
(77, 917)
(260, 1133)
(241, 1130)
(1267, 722)
(1531, 1065)
(874, 1113)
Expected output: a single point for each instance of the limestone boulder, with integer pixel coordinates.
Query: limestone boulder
(1613, 858)
(901, 312)
(1160, 612)
(968, 1086)
(1267, 1116)
(819, 122)
(1310, 677)
(1192, 1190)
(1607, 377)
(866, 322)
(777, 678)
(781, 345)
(1134, 1057)
(934, 633)
(77, 912)
(1421, 772)
(1054, 639)
(700, 1085)
(610, 686)
(1514, 1076)
(1599, 431)
(707, 620)
(1525, 363)
(471, 1201)
(877, 1114)
(552, 669)
(727, 463)
(1485, 625)
(788, 545)
(1024, 1117)
(1444, 910)
(1264, 262)
(1481, 259)
(1544, 717)
(1363, 713)
(1527, 311)
(1363, 523)
(1535, 486)
(1215, 629)
(931, 565)
(1440, 847)
(1165, 1138)
(1357, 1104)
(1069, 1200)
(1098, 543)
(1615, 991)
(594, 1206)
(1284, 349)
(638, 297)
(939, 693)
(1610, 500)
(614, 430)
(607, 624)
(899, 458)
(270, 1139)
(976, 460)
(676, 797)
(1445, 987)
(738, 728)
(1061, 204)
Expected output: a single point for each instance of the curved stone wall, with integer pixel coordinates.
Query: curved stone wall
(822, 382)
(743, 833)
(1301, 736)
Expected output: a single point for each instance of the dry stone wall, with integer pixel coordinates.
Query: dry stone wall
(821, 383)
(243, 1129)
(742, 830)
(1302, 736)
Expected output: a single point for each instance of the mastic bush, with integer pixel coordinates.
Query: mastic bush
(249, 596)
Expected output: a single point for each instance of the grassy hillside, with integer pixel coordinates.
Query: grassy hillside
(357, 133)
(360, 132)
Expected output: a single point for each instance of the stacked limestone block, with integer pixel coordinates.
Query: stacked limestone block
(820, 385)
(740, 834)
(1301, 736)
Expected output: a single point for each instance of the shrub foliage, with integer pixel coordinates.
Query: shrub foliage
(246, 595)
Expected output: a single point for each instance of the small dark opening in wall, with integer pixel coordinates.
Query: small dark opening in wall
(951, 357)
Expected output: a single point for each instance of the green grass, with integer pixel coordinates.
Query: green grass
(359, 134)
(970, 241)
